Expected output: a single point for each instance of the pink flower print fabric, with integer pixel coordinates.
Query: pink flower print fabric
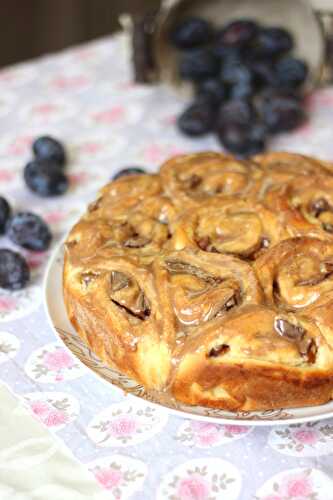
(86, 97)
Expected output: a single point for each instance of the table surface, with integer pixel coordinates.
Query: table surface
(85, 97)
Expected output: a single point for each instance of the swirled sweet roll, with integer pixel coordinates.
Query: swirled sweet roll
(191, 179)
(212, 280)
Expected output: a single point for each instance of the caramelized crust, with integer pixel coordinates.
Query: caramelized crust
(211, 281)
(191, 179)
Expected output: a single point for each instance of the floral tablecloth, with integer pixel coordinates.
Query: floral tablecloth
(85, 97)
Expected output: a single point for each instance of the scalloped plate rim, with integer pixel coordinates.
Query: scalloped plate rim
(52, 280)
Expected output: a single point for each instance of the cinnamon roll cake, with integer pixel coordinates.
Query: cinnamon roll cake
(211, 280)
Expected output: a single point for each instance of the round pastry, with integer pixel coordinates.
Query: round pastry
(211, 281)
(191, 179)
(229, 226)
(305, 205)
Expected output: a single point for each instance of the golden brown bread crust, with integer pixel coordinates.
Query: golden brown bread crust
(212, 281)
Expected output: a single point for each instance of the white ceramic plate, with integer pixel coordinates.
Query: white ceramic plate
(58, 319)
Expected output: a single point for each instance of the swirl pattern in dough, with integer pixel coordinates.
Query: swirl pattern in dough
(211, 281)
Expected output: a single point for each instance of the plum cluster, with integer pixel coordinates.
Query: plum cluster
(248, 85)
